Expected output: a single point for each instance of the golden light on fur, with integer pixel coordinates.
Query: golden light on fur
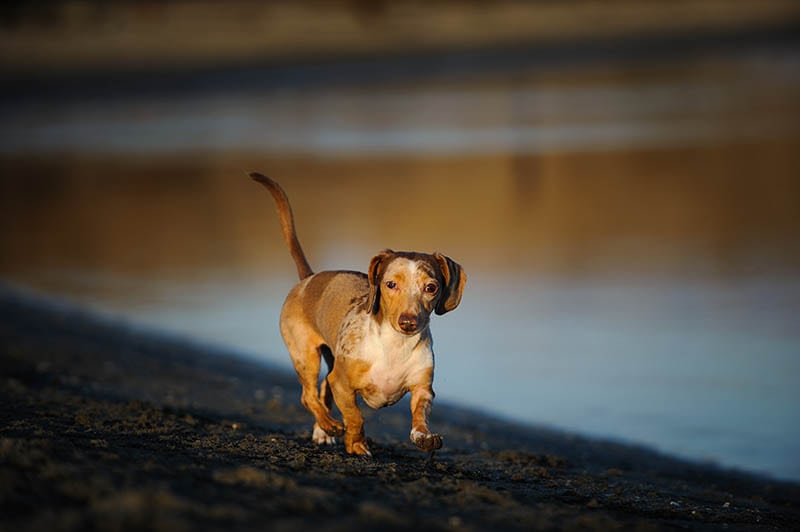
(372, 329)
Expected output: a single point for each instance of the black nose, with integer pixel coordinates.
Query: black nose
(408, 322)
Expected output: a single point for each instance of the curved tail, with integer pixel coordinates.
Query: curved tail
(287, 224)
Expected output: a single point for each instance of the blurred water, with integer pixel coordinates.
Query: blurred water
(629, 235)
(752, 99)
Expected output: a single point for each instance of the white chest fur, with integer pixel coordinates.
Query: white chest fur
(397, 362)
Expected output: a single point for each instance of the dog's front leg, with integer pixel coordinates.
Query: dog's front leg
(421, 398)
(345, 397)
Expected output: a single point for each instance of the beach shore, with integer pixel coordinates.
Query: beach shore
(108, 427)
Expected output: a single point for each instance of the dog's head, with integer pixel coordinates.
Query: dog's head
(405, 287)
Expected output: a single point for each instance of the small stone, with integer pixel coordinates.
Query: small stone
(454, 521)
(594, 503)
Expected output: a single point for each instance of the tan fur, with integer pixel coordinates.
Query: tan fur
(374, 325)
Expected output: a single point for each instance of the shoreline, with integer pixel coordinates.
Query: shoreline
(109, 426)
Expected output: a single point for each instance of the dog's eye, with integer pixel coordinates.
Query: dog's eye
(431, 288)
(391, 284)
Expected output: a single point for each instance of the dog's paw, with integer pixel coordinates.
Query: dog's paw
(321, 437)
(426, 441)
(332, 428)
(356, 444)
(359, 448)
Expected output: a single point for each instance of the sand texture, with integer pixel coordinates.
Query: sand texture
(106, 427)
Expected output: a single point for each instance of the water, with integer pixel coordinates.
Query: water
(520, 116)
(629, 233)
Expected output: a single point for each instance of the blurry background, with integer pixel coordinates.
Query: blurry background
(620, 180)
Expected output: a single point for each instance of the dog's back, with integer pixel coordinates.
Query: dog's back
(324, 299)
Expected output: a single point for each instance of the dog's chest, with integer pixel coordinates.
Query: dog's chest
(394, 363)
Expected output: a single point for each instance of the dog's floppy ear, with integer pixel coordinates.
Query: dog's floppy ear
(375, 272)
(454, 281)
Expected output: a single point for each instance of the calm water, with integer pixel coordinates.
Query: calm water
(630, 234)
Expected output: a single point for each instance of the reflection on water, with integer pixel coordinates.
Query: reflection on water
(631, 242)
(752, 98)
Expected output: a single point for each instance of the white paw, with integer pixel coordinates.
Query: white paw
(416, 434)
(320, 437)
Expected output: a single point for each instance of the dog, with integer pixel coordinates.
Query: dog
(372, 330)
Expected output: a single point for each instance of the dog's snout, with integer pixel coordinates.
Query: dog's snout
(408, 322)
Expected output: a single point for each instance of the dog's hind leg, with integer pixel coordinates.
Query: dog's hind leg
(326, 396)
(305, 348)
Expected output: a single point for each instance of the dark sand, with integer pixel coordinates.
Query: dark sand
(103, 426)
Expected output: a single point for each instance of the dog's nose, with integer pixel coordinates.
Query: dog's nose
(408, 322)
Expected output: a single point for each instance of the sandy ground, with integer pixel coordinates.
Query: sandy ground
(103, 426)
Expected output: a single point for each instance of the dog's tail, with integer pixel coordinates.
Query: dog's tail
(287, 224)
